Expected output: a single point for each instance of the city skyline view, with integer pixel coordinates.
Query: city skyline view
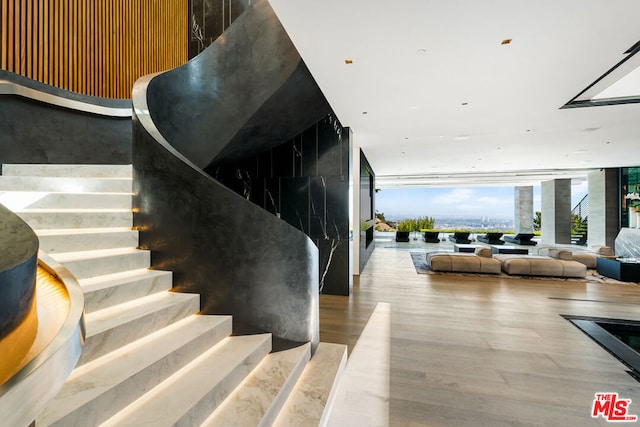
(494, 203)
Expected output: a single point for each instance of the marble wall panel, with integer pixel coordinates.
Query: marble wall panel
(627, 244)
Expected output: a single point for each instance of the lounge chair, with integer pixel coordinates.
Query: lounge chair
(521, 239)
(492, 238)
(460, 237)
(431, 236)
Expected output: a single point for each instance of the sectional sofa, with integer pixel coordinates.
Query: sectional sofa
(482, 261)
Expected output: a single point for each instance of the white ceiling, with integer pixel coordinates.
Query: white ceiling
(415, 62)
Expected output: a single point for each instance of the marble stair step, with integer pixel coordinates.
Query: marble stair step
(189, 396)
(99, 389)
(309, 404)
(50, 200)
(119, 325)
(42, 219)
(66, 184)
(86, 171)
(94, 263)
(258, 400)
(78, 239)
(112, 289)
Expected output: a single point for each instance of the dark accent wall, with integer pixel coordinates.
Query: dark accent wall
(305, 182)
(35, 132)
(18, 261)
(367, 210)
(209, 18)
(243, 95)
(241, 259)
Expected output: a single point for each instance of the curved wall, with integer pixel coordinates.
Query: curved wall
(43, 124)
(18, 260)
(247, 92)
(241, 259)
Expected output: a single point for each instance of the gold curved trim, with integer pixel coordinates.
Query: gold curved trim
(15, 346)
(31, 389)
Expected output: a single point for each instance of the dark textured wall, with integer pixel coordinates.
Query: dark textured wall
(241, 259)
(305, 182)
(244, 92)
(35, 132)
(18, 261)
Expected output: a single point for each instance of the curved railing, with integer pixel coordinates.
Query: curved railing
(241, 259)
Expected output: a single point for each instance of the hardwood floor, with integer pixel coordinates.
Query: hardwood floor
(485, 351)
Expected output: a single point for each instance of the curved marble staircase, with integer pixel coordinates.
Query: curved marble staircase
(149, 357)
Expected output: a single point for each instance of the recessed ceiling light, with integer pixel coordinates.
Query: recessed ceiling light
(591, 129)
(506, 41)
(413, 107)
(498, 148)
(461, 137)
(421, 51)
(406, 137)
(580, 151)
(348, 61)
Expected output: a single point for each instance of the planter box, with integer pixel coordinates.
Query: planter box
(402, 236)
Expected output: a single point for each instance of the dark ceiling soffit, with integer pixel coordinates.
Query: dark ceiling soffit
(606, 101)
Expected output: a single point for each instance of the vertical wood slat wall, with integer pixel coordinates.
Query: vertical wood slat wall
(93, 47)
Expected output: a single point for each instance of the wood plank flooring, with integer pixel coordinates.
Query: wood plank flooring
(485, 351)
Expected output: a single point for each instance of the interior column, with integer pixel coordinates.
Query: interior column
(523, 218)
(603, 207)
(556, 211)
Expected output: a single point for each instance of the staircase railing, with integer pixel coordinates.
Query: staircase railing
(579, 221)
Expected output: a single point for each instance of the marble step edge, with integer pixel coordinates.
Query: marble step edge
(119, 325)
(41, 219)
(310, 402)
(87, 264)
(75, 170)
(258, 400)
(78, 239)
(98, 389)
(65, 184)
(112, 289)
(18, 200)
(189, 396)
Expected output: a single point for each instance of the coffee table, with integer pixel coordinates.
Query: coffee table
(626, 270)
(461, 247)
(497, 249)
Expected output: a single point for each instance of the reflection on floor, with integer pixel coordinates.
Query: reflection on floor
(480, 351)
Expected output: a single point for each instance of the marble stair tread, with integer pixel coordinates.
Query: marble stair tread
(110, 289)
(39, 219)
(257, 401)
(310, 401)
(119, 325)
(86, 264)
(65, 184)
(189, 396)
(51, 200)
(68, 170)
(99, 389)
(77, 239)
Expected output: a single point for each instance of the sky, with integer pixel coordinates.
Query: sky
(470, 202)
